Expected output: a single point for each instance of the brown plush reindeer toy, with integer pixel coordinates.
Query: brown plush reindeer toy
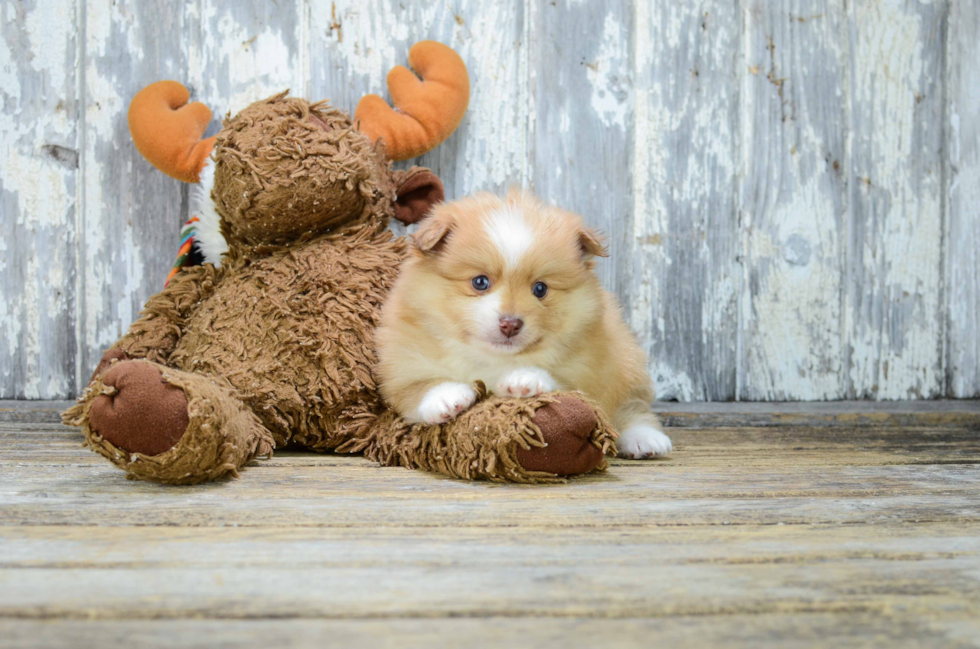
(270, 343)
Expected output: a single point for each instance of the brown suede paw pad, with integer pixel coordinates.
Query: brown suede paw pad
(143, 414)
(566, 425)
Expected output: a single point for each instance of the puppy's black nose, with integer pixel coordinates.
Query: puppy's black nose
(510, 326)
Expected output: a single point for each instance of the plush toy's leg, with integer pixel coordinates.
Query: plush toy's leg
(512, 440)
(162, 424)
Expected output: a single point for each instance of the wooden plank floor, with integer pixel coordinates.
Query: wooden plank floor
(828, 526)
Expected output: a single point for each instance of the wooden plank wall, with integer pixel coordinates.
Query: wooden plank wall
(789, 187)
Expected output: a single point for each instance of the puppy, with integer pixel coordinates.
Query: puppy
(502, 290)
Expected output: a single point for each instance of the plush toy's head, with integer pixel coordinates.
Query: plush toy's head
(284, 168)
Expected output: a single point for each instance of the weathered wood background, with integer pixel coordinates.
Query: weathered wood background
(790, 188)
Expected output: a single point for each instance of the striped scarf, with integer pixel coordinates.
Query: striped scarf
(186, 243)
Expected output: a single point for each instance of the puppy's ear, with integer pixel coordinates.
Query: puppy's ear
(433, 233)
(591, 244)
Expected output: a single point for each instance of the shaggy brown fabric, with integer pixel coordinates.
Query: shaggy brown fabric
(139, 411)
(155, 333)
(288, 168)
(221, 435)
(485, 442)
(293, 333)
(276, 346)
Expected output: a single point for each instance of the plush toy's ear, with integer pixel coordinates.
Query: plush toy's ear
(427, 110)
(591, 244)
(167, 130)
(417, 190)
(434, 231)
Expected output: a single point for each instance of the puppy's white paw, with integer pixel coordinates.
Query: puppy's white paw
(642, 441)
(445, 401)
(526, 382)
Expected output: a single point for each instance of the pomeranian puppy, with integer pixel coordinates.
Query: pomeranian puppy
(502, 290)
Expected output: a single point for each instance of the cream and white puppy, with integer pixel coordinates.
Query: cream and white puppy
(502, 290)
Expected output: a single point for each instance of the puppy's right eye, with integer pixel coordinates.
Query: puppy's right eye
(481, 282)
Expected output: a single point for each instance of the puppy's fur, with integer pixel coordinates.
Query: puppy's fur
(440, 332)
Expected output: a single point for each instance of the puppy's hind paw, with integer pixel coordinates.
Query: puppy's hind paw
(445, 401)
(641, 442)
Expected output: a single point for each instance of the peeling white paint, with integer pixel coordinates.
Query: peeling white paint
(897, 324)
(36, 199)
(795, 346)
(495, 144)
(963, 201)
(39, 184)
(48, 43)
(30, 343)
(372, 33)
(262, 67)
(8, 74)
(648, 221)
(684, 290)
(133, 282)
(672, 384)
(888, 66)
(683, 177)
(104, 103)
(611, 91)
(792, 209)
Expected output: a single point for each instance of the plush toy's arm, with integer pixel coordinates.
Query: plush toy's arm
(506, 440)
(155, 335)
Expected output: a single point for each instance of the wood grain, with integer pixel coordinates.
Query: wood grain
(787, 187)
(859, 629)
(962, 236)
(148, 573)
(130, 213)
(950, 413)
(245, 51)
(39, 162)
(772, 536)
(871, 441)
(792, 201)
(894, 316)
(685, 273)
(582, 115)
(793, 476)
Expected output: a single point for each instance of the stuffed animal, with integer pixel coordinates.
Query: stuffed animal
(270, 342)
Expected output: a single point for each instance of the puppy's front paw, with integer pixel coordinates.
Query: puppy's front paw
(445, 401)
(526, 382)
(640, 442)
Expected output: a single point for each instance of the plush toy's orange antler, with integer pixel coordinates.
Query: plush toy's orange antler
(167, 130)
(426, 111)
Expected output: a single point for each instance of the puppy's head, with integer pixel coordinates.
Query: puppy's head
(510, 275)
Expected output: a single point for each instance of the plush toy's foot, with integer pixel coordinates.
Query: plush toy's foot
(162, 424)
(110, 358)
(540, 439)
(566, 426)
(138, 411)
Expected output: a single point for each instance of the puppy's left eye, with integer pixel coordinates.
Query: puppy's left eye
(540, 289)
